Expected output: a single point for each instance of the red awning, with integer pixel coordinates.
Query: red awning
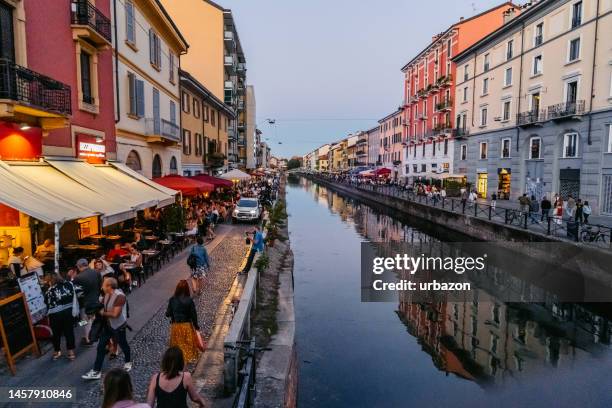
(215, 181)
(186, 185)
(383, 171)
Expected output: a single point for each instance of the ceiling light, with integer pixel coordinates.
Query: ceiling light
(24, 126)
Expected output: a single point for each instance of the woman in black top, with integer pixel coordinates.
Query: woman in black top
(184, 321)
(171, 386)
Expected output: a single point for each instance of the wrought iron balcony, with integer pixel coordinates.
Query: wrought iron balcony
(566, 110)
(530, 118)
(460, 133)
(85, 14)
(445, 105)
(31, 89)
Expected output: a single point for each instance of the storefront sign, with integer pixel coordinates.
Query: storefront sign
(16, 331)
(90, 149)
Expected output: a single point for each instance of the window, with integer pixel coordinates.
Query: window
(445, 147)
(509, 50)
(570, 145)
(185, 102)
(571, 92)
(576, 14)
(423, 151)
(483, 116)
(133, 161)
(433, 149)
(506, 111)
(449, 44)
(505, 148)
(171, 66)
(173, 165)
(538, 38)
(486, 63)
(86, 85)
(423, 168)
(465, 94)
(537, 65)
(196, 108)
(213, 115)
(186, 142)
(485, 86)
(484, 146)
(574, 50)
(130, 22)
(466, 74)
(609, 139)
(136, 96)
(206, 114)
(155, 50)
(172, 112)
(199, 144)
(463, 152)
(157, 166)
(508, 77)
(535, 148)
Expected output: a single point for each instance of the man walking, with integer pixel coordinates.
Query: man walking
(545, 207)
(114, 312)
(524, 203)
(90, 282)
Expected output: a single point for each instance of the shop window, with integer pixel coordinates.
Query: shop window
(535, 148)
(173, 165)
(133, 161)
(505, 148)
(157, 166)
(570, 145)
(484, 146)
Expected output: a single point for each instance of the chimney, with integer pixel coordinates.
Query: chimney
(509, 15)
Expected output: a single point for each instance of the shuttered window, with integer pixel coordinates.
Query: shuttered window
(130, 22)
(154, 50)
(136, 96)
(86, 77)
(186, 142)
(172, 112)
(140, 98)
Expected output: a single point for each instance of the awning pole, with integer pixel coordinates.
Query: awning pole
(57, 225)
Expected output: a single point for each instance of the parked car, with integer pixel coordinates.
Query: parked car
(247, 209)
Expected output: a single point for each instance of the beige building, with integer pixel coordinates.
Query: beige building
(205, 120)
(251, 129)
(535, 98)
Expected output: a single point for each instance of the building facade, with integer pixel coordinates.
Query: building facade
(373, 137)
(429, 91)
(147, 48)
(539, 116)
(250, 134)
(390, 143)
(205, 120)
(323, 161)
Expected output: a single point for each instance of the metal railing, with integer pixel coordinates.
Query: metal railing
(85, 13)
(530, 117)
(566, 109)
(460, 133)
(162, 127)
(562, 228)
(21, 84)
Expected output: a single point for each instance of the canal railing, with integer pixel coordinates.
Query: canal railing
(558, 228)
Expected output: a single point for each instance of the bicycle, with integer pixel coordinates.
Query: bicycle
(590, 235)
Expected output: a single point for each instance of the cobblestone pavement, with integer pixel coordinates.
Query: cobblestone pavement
(151, 342)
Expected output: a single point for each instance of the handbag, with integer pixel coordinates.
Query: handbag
(199, 341)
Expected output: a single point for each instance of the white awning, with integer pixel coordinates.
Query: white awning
(60, 187)
(125, 169)
(16, 192)
(112, 183)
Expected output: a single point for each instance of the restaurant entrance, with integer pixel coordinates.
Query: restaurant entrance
(482, 184)
(504, 177)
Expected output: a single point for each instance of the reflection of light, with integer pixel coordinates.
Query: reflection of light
(24, 126)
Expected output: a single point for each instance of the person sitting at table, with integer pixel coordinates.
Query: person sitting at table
(45, 253)
(15, 262)
(103, 268)
(134, 266)
(116, 253)
(139, 241)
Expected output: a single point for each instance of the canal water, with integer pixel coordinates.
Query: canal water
(483, 352)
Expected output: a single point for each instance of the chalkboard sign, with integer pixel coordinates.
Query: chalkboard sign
(16, 329)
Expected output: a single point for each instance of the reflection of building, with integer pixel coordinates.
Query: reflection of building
(148, 50)
(538, 107)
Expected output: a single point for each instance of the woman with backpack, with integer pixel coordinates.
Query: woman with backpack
(199, 262)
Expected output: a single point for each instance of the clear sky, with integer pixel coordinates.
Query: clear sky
(326, 68)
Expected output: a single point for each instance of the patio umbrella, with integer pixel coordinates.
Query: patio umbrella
(236, 175)
(383, 171)
(186, 185)
(366, 173)
(215, 181)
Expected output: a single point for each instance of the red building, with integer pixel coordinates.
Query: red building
(429, 86)
(56, 80)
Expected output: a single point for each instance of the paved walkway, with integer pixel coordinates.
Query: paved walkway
(149, 337)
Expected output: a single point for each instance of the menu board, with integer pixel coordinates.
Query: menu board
(16, 329)
(34, 297)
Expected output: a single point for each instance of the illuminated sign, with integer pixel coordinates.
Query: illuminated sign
(90, 150)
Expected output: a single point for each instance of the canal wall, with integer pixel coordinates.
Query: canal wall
(590, 262)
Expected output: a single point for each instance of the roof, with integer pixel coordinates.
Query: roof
(451, 27)
(389, 116)
(509, 26)
(188, 79)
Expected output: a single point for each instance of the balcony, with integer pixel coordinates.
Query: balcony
(422, 116)
(566, 111)
(445, 81)
(228, 36)
(361, 153)
(228, 86)
(460, 133)
(362, 141)
(241, 67)
(216, 159)
(422, 93)
(241, 125)
(228, 62)
(445, 106)
(162, 131)
(241, 142)
(531, 118)
(90, 23)
(28, 96)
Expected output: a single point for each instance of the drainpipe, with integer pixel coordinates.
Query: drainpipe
(591, 97)
(520, 85)
(117, 99)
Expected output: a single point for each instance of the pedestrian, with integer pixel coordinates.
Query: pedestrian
(579, 212)
(534, 209)
(545, 207)
(524, 203)
(258, 239)
(60, 299)
(570, 206)
(118, 391)
(115, 314)
(184, 321)
(90, 282)
(493, 200)
(199, 262)
(464, 197)
(172, 385)
(586, 211)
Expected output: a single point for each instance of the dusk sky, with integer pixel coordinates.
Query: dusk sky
(326, 68)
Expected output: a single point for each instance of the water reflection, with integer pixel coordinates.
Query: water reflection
(482, 339)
